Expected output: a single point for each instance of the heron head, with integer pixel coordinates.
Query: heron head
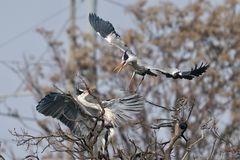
(126, 59)
(79, 91)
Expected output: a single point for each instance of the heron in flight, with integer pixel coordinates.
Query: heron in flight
(106, 30)
(81, 111)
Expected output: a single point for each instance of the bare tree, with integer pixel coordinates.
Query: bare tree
(181, 118)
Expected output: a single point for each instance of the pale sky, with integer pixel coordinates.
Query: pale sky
(19, 20)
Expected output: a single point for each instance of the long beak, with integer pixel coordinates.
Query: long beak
(119, 67)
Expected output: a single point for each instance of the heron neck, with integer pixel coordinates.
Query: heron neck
(82, 99)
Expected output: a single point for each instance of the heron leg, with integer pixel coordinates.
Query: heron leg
(114, 150)
(131, 80)
(105, 143)
(184, 138)
(140, 82)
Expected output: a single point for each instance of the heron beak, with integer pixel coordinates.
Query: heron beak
(120, 67)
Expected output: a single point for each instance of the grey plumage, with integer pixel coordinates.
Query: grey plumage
(125, 108)
(196, 71)
(80, 118)
(104, 28)
(178, 74)
(65, 108)
(107, 31)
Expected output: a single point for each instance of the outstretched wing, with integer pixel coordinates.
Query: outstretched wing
(65, 108)
(176, 73)
(124, 109)
(107, 31)
(195, 72)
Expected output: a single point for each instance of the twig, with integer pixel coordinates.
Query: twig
(168, 109)
(191, 145)
(55, 86)
(213, 149)
(162, 125)
(177, 134)
(190, 112)
(17, 116)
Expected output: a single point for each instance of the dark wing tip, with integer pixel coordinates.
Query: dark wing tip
(92, 16)
(44, 100)
(198, 70)
(104, 28)
(45, 104)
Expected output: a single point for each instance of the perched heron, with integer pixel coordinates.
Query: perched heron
(106, 30)
(80, 112)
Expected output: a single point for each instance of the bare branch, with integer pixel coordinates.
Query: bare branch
(191, 145)
(166, 108)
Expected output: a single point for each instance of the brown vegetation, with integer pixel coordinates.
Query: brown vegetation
(181, 117)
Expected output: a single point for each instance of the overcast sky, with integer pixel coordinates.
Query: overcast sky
(19, 20)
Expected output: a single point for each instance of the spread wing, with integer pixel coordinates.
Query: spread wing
(65, 108)
(124, 109)
(176, 73)
(106, 30)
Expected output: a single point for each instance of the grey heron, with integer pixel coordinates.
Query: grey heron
(106, 30)
(79, 112)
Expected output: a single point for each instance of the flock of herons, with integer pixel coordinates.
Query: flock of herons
(79, 112)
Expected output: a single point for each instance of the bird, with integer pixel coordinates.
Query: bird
(106, 30)
(81, 111)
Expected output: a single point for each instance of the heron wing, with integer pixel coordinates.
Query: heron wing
(195, 71)
(125, 108)
(106, 30)
(65, 108)
(178, 74)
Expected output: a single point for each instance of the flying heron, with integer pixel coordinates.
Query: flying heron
(106, 30)
(81, 111)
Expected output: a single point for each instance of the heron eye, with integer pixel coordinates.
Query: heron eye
(79, 91)
(125, 56)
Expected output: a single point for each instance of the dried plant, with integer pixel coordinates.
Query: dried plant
(170, 127)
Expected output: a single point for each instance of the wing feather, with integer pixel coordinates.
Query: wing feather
(65, 108)
(107, 31)
(197, 71)
(125, 108)
(178, 74)
(104, 28)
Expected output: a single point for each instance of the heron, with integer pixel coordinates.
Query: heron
(106, 30)
(81, 111)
